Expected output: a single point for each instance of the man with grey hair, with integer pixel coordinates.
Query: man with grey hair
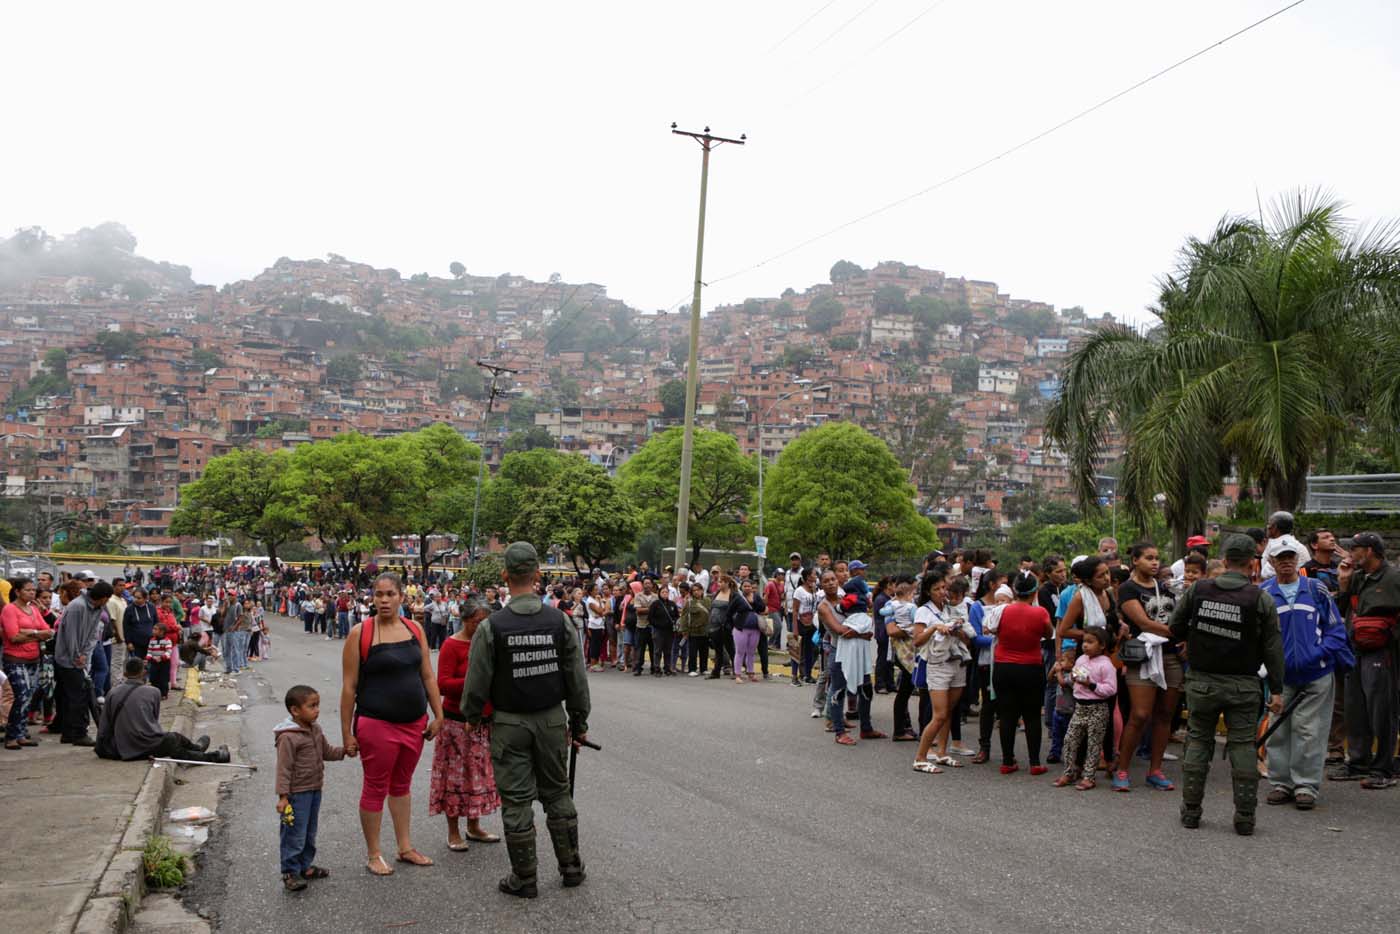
(1280, 529)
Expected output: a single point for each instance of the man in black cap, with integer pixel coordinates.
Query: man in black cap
(526, 662)
(1230, 627)
(1371, 591)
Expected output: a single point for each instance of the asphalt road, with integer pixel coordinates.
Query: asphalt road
(720, 807)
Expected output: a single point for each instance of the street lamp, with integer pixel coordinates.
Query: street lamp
(804, 385)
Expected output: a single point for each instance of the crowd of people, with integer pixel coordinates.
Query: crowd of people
(1089, 666)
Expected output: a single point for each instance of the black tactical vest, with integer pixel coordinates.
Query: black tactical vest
(529, 653)
(1224, 635)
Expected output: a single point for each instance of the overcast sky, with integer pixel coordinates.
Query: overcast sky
(534, 137)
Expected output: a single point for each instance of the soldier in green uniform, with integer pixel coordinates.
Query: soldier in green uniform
(525, 661)
(1230, 627)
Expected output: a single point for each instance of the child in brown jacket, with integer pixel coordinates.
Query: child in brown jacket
(302, 751)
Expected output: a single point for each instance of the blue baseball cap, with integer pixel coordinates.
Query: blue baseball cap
(856, 565)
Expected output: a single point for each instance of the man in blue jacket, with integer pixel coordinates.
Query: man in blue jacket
(1314, 646)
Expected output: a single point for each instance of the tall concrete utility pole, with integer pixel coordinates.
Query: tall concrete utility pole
(707, 142)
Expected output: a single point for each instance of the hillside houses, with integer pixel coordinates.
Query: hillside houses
(148, 390)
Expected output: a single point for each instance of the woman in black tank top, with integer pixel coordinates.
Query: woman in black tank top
(387, 689)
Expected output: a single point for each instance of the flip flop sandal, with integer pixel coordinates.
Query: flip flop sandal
(484, 838)
(408, 857)
(927, 767)
(948, 761)
(1085, 784)
(843, 739)
(315, 872)
(459, 847)
(379, 860)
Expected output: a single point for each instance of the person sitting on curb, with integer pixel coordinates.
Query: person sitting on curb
(130, 726)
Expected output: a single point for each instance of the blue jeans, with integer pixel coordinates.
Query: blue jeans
(1059, 724)
(342, 623)
(298, 844)
(101, 668)
(235, 651)
(837, 707)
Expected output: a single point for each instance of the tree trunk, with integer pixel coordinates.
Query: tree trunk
(695, 546)
(423, 555)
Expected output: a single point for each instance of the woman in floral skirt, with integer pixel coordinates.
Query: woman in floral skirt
(463, 784)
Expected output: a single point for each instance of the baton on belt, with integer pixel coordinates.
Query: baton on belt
(573, 759)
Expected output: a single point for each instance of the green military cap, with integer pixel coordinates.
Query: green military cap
(521, 559)
(1239, 548)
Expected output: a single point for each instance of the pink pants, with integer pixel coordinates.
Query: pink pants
(389, 753)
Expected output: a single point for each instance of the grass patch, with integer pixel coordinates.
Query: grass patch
(165, 869)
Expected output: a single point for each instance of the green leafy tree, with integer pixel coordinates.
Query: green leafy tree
(534, 437)
(963, 371)
(56, 362)
(839, 489)
(1257, 321)
(844, 342)
(824, 314)
(437, 495)
(344, 369)
(927, 442)
(463, 381)
(114, 344)
(796, 356)
(457, 269)
(522, 413)
(206, 359)
(522, 475)
(844, 269)
(582, 510)
(673, 398)
(247, 492)
(890, 300)
(722, 484)
(346, 493)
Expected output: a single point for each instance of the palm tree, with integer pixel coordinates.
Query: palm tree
(1260, 326)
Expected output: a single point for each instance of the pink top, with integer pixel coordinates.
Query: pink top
(1103, 678)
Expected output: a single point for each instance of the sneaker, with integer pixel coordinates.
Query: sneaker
(960, 751)
(816, 714)
(1053, 759)
(1170, 757)
(1341, 773)
(693, 674)
(1377, 782)
(1121, 782)
(1159, 781)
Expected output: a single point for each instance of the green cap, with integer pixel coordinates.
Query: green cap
(1239, 548)
(521, 559)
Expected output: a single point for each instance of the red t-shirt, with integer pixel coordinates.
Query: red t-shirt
(13, 619)
(1018, 638)
(453, 659)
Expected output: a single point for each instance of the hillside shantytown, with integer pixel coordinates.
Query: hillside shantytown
(123, 377)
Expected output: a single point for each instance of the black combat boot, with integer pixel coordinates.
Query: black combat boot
(1246, 788)
(1193, 792)
(521, 881)
(563, 832)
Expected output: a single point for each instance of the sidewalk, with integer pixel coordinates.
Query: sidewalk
(75, 826)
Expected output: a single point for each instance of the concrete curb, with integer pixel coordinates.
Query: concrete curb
(118, 892)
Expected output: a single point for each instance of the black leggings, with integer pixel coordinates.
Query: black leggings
(697, 653)
(1020, 691)
(597, 638)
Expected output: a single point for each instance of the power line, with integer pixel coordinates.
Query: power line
(798, 28)
(842, 28)
(1011, 150)
(867, 53)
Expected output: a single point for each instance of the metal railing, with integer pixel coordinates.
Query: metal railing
(1377, 494)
